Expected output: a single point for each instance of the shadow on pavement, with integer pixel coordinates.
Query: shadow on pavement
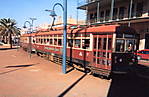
(7, 48)
(130, 85)
(71, 86)
(22, 66)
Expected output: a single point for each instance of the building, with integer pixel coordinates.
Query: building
(133, 13)
(70, 21)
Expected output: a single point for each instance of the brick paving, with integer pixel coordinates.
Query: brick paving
(21, 76)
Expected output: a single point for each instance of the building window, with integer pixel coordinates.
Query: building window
(107, 15)
(121, 12)
(115, 13)
(139, 9)
(132, 11)
(92, 16)
(102, 16)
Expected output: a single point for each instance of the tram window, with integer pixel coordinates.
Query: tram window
(95, 41)
(99, 54)
(47, 40)
(99, 43)
(51, 41)
(36, 40)
(119, 35)
(109, 62)
(44, 41)
(41, 41)
(98, 61)
(104, 54)
(109, 43)
(33, 40)
(104, 62)
(130, 45)
(94, 53)
(70, 42)
(109, 55)
(104, 43)
(119, 45)
(55, 41)
(59, 42)
(94, 60)
(77, 43)
(129, 36)
(85, 43)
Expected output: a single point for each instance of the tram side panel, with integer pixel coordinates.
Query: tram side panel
(79, 57)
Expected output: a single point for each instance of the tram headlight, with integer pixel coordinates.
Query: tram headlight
(120, 60)
(138, 57)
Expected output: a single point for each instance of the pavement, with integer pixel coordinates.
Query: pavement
(22, 76)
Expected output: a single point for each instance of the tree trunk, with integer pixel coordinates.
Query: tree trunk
(10, 40)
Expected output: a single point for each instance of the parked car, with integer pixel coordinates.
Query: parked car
(143, 54)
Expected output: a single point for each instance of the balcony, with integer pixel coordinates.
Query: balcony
(121, 18)
(83, 3)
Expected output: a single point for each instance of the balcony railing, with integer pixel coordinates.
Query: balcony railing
(82, 2)
(115, 18)
(85, 2)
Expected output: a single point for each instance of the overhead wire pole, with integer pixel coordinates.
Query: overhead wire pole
(31, 31)
(65, 38)
(64, 51)
(130, 12)
(77, 11)
(29, 48)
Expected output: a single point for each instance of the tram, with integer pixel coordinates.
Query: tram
(103, 50)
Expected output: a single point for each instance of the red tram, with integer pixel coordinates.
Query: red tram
(100, 49)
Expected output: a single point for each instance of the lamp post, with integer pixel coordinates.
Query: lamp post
(53, 14)
(31, 31)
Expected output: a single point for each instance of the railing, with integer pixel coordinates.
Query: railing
(115, 18)
(84, 2)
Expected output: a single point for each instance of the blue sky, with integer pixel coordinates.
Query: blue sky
(22, 10)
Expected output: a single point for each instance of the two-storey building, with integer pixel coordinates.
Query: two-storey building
(133, 13)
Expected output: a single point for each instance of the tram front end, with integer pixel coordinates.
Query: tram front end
(123, 63)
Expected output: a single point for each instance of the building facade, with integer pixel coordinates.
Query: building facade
(133, 13)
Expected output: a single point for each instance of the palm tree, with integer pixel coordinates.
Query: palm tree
(8, 28)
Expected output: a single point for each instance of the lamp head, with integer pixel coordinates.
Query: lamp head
(24, 26)
(52, 13)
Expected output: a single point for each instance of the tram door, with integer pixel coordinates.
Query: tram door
(102, 50)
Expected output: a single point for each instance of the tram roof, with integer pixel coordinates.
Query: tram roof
(95, 29)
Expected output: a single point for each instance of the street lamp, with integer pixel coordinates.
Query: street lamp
(53, 14)
(30, 31)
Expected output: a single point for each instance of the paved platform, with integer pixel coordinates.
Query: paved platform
(22, 76)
